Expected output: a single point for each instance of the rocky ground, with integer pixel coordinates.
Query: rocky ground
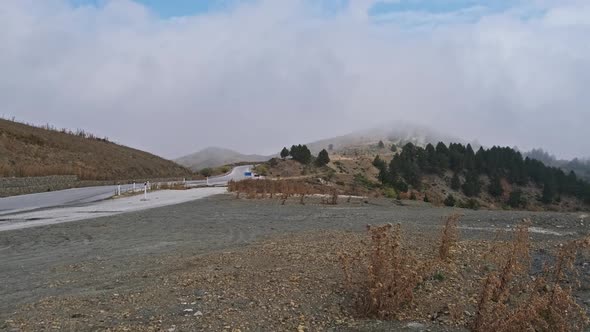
(249, 265)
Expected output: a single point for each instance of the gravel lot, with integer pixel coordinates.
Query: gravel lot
(123, 254)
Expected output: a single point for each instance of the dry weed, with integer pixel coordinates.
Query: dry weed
(449, 236)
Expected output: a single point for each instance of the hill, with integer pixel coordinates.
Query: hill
(453, 175)
(33, 151)
(580, 166)
(398, 134)
(214, 157)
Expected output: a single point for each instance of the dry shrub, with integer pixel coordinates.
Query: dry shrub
(511, 301)
(449, 236)
(382, 279)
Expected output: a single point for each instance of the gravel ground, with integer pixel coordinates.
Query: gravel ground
(162, 269)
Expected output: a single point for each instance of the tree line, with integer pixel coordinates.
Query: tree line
(407, 168)
(302, 154)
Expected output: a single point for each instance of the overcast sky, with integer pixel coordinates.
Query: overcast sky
(172, 77)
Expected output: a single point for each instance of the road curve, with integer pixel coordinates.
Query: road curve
(77, 196)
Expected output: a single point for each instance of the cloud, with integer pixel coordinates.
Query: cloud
(264, 74)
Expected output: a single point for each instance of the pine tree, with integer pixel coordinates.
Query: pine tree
(495, 189)
(549, 192)
(472, 185)
(516, 200)
(323, 158)
(381, 145)
(285, 153)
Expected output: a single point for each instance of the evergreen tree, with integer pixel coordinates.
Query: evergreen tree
(301, 154)
(323, 158)
(469, 160)
(495, 189)
(381, 145)
(515, 199)
(549, 192)
(393, 148)
(455, 182)
(285, 153)
(472, 185)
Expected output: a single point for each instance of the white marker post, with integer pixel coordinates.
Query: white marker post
(145, 192)
(207, 181)
(119, 190)
(133, 186)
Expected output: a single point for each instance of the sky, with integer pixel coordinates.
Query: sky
(173, 77)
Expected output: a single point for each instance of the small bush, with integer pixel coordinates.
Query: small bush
(383, 278)
(449, 236)
(389, 192)
(471, 203)
(450, 200)
(206, 172)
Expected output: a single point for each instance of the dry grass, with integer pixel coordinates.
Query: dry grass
(31, 151)
(282, 189)
(511, 300)
(382, 279)
(449, 236)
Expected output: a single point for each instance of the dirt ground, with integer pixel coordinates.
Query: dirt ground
(245, 265)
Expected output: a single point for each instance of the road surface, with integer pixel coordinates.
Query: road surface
(79, 196)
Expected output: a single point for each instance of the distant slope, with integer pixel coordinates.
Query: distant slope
(31, 151)
(395, 133)
(579, 166)
(214, 157)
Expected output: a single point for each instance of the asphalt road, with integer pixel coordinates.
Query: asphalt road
(76, 196)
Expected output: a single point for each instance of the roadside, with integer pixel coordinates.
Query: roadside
(104, 208)
(220, 262)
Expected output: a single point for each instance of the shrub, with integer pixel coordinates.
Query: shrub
(511, 301)
(389, 192)
(413, 196)
(261, 169)
(383, 277)
(449, 236)
(450, 200)
(471, 203)
(206, 172)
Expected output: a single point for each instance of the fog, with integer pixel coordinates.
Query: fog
(264, 74)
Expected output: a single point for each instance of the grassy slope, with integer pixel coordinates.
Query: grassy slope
(30, 151)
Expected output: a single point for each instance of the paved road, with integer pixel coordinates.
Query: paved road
(69, 197)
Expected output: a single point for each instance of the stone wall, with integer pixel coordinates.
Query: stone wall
(21, 186)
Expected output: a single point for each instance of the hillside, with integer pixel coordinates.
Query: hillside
(214, 157)
(580, 166)
(453, 176)
(390, 134)
(31, 151)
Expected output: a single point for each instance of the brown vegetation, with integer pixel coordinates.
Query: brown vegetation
(283, 189)
(513, 301)
(32, 151)
(449, 237)
(382, 279)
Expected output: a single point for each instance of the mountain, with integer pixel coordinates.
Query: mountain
(579, 166)
(399, 133)
(214, 157)
(27, 150)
